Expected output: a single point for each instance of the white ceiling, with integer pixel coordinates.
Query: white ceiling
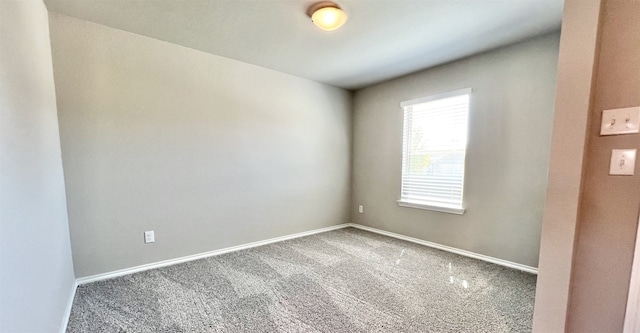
(382, 38)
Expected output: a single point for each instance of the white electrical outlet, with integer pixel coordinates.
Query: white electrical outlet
(149, 237)
(360, 209)
(623, 162)
(620, 121)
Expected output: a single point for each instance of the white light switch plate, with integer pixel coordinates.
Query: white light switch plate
(623, 162)
(149, 237)
(620, 121)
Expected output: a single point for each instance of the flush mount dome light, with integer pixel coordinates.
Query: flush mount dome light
(327, 16)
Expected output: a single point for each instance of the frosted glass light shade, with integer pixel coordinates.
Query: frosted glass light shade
(329, 18)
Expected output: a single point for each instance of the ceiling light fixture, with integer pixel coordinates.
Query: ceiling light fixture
(327, 16)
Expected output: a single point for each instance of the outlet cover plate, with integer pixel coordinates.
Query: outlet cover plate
(149, 237)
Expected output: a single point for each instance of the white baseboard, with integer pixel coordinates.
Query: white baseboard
(465, 253)
(136, 269)
(67, 311)
(131, 270)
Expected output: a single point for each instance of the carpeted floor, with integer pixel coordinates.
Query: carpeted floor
(347, 280)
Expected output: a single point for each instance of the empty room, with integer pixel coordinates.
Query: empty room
(319, 166)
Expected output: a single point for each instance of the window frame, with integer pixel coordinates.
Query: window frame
(405, 202)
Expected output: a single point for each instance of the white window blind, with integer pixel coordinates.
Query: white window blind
(434, 148)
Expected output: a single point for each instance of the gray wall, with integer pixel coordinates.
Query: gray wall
(208, 152)
(36, 272)
(507, 156)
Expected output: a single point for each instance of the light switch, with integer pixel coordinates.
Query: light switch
(623, 162)
(620, 121)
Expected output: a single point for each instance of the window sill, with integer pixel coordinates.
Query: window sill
(442, 209)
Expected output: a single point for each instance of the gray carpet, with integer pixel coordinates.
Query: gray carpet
(346, 280)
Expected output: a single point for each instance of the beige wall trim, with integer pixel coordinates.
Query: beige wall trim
(575, 81)
(608, 220)
(632, 317)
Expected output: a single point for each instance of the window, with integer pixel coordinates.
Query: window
(433, 155)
